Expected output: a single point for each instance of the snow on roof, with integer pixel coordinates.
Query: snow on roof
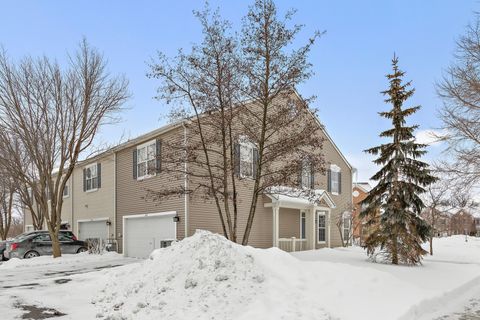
(365, 186)
(286, 196)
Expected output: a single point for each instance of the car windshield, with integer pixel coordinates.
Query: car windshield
(23, 236)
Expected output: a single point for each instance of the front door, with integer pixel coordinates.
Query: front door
(321, 223)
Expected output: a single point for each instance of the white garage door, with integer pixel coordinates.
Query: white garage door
(93, 229)
(144, 233)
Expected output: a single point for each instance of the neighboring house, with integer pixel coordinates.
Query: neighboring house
(442, 225)
(140, 225)
(359, 193)
(477, 225)
(463, 222)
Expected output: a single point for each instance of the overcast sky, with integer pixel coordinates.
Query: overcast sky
(350, 61)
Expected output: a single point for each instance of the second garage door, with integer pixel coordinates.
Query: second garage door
(145, 233)
(96, 229)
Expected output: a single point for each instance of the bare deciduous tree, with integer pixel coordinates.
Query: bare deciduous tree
(438, 201)
(346, 225)
(460, 90)
(7, 199)
(272, 119)
(205, 84)
(241, 91)
(49, 116)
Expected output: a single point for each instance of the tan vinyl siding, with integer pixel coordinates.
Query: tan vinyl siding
(289, 223)
(95, 204)
(203, 214)
(130, 198)
(342, 201)
(131, 193)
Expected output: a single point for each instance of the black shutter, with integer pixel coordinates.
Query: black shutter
(329, 180)
(84, 179)
(339, 182)
(255, 162)
(99, 175)
(135, 163)
(237, 159)
(158, 162)
(312, 177)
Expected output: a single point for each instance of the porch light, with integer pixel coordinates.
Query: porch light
(176, 219)
(109, 223)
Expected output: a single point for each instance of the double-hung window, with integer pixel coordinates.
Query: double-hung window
(91, 177)
(248, 156)
(146, 160)
(335, 179)
(321, 227)
(306, 174)
(66, 190)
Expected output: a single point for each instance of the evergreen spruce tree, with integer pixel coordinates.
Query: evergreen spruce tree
(392, 209)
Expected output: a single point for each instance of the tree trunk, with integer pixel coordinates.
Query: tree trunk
(56, 252)
(431, 245)
(395, 250)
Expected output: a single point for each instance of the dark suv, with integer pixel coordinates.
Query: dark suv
(38, 243)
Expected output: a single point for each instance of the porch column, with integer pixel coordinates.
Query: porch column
(329, 226)
(310, 228)
(275, 227)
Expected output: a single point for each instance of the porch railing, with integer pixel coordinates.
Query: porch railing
(292, 244)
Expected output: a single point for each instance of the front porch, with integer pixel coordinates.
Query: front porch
(299, 222)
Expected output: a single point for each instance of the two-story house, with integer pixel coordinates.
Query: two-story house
(106, 200)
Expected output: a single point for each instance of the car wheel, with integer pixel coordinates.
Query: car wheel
(31, 254)
(82, 249)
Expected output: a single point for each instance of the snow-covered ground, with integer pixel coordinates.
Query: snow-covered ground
(207, 277)
(65, 284)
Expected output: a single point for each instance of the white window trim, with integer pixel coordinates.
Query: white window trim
(243, 141)
(87, 167)
(321, 213)
(336, 169)
(300, 233)
(306, 166)
(67, 185)
(141, 146)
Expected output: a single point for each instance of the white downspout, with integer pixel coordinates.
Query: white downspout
(185, 182)
(115, 198)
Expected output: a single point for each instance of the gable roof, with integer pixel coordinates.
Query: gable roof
(173, 125)
(291, 197)
(322, 126)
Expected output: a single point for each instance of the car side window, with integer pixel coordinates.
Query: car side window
(64, 237)
(42, 237)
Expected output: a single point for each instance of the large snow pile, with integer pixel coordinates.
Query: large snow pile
(202, 277)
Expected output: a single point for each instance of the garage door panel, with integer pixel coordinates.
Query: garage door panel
(144, 234)
(92, 230)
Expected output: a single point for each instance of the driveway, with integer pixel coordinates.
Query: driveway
(471, 311)
(38, 288)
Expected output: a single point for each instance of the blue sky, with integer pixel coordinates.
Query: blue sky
(350, 61)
